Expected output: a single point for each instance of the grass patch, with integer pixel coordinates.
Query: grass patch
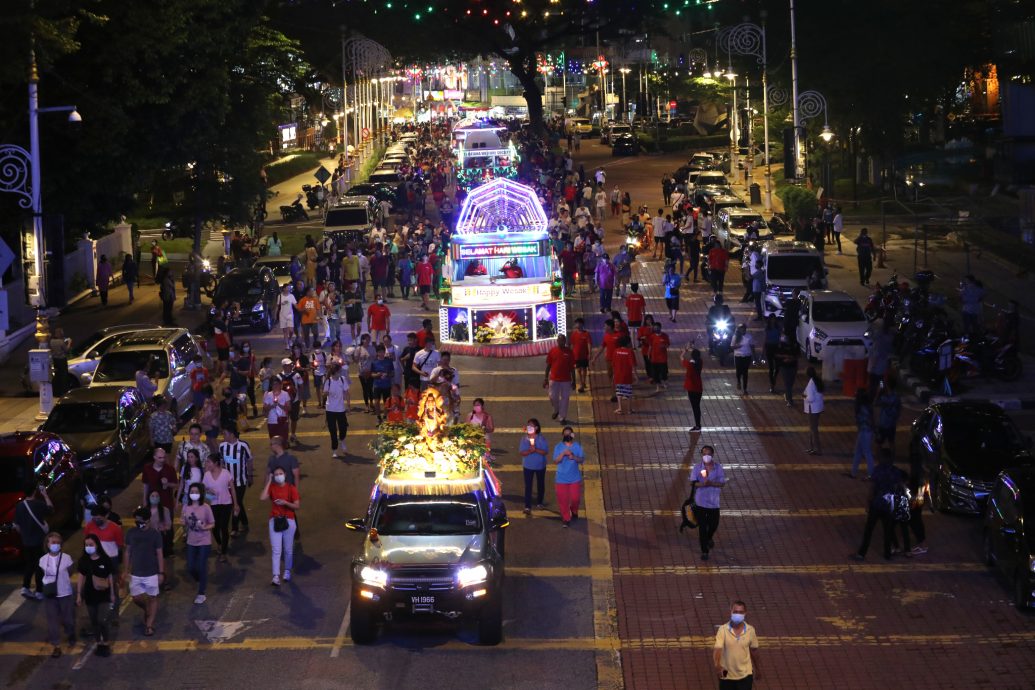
(177, 245)
(290, 166)
(370, 165)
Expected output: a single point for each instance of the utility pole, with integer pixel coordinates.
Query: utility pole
(798, 172)
(345, 109)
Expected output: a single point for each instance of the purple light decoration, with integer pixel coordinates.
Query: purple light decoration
(501, 205)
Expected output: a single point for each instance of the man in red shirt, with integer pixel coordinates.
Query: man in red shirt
(718, 262)
(623, 363)
(569, 264)
(425, 333)
(635, 306)
(560, 374)
(425, 274)
(581, 344)
(108, 533)
(379, 318)
(608, 346)
(658, 352)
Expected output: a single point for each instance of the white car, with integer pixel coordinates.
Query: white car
(830, 318)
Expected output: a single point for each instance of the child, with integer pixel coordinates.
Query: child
(319, 364)
(412, 402)
(395, 406)
(265, 374)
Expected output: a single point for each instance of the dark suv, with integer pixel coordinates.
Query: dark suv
(963, 446)
(1009, 535)
(431, 554)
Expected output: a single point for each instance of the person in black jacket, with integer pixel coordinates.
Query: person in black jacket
(886, 479)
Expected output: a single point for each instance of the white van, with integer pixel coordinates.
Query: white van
(789, 265)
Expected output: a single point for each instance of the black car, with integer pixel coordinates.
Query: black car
(381, 192)
(963, 447)
(106, 427)
(625, 145)
(780, 225)
(253, 292)
(1008, 543)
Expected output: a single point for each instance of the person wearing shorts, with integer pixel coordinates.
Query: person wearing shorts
(143, 562)
(657, 351)
(581, 345)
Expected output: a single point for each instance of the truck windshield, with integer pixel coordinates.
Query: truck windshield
(339, 217)
(792, 267)
(429, 515)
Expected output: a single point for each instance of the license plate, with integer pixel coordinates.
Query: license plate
(422, 600)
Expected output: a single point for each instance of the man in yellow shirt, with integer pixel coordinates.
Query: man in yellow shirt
(735, 654)
(350, 267)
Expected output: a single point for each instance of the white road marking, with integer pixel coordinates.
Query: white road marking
(343, 632)
(220, 631)
(84, 657)
(7, 609)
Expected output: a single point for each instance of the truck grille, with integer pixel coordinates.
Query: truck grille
(421, 579)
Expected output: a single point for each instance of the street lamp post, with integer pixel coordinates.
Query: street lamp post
(799, 154)
(625, 103)
(22, 178)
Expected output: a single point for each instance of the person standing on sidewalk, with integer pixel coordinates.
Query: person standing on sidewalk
(533, 449)
(560, 377)
(735, 653)
(710, 479)
(772, 345)
(864, 255)
(864, 432)
(338, 401)
(972, 294)
(130, 274)
(568, 456)
(787, 361)
(103, 280)
(813, 408)
(167, 293)
(30, 522)
(692, 384)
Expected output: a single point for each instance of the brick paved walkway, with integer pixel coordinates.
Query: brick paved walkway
(789, 522)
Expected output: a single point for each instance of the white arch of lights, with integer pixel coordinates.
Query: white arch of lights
(501, 206)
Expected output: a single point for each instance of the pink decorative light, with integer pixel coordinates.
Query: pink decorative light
(501, 205)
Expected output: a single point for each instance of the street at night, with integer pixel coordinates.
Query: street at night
(698, 528)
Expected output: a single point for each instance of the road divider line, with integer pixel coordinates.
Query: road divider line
(343, 631)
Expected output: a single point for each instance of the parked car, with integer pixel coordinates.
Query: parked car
(711, 177)
(381, 192)
(351, 218)
(255, 290)
(830, 318)
(779, 224)
(702, 160)
(280, 265)
(609, 133)
(84, 355)
(964, 445)
(169, 349)
(625, 145)
(1009, 542)
(702, 196)
(36, 458)
(716, 204)
(106, 428)
(787, 266)
(731, 226)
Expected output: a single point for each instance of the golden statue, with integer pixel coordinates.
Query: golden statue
(433, 416)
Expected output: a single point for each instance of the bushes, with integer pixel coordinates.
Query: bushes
(798, 202)
(681, 142)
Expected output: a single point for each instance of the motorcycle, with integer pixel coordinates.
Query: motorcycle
(987, 357)
(721, 340)
(311, 200)
(294, 212)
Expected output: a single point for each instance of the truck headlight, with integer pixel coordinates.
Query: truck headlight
(472, 575)
(373, 576)
(817, 334)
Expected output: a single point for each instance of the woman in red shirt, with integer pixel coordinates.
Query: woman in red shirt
(285, 500)
(643, 334)
(691, 358)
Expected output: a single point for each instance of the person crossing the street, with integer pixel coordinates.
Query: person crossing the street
(710, 479)
(336, 393)
(735, 652)
(237, 458)
(560, 377)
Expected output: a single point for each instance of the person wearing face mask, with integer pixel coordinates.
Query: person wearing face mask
(710, 478)
(198, 522)
(95, 587)
(107, 533)
(285, 500)
(161, 522)
(735, 653)
(480, 417)
(161, 477)
(568, 456)
(144, 563)
(533, 449)
(56, 566)
(379, 318)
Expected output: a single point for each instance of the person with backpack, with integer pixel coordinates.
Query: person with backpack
(888, 485)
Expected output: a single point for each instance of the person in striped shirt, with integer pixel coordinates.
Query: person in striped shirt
(237, 459)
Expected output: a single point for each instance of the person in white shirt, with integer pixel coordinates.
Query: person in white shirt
(743, 354)
(286, 314)
(601, 204)
(706, 228)
(813, 404)
(425, 362)
(276, 405)
(56, 566)
(658, 232)
(838, 225)
(336, 394)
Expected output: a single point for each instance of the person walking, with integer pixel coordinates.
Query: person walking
(623, 367)
(480, 417)
(710, 479)
(671, 281)
(559, 378)
(658, 343)
(162, 424)
(886, 479)
(161, 519)
(336, 394)
(56, 567)
(569, 457)
(787, 360)
(276, 405)
(692, 384)
(581, 346)
(889, 403)
(813, 408)
(771, 348)
(144, 564)
(130, 274)
(159, 476)
(284, 499)
(917, 489)
(30, 522)
(864, 255)
(743, 354)
(533, 449)
(60, 345)
(167, 294)
(103, 279)
(237, 459)
(864, 433)
(837, 224)
(605, 277)
(735, 652)
(95, 587)
(221, 497)
(286, 314)
(718, 263)
(972, 295)
(198, 523)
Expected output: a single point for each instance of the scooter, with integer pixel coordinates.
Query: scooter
(721, 340)
(311, 199)
(294, 212)
(977, 356)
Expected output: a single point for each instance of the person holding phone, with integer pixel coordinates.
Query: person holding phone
(285, 500)
(735, 653)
